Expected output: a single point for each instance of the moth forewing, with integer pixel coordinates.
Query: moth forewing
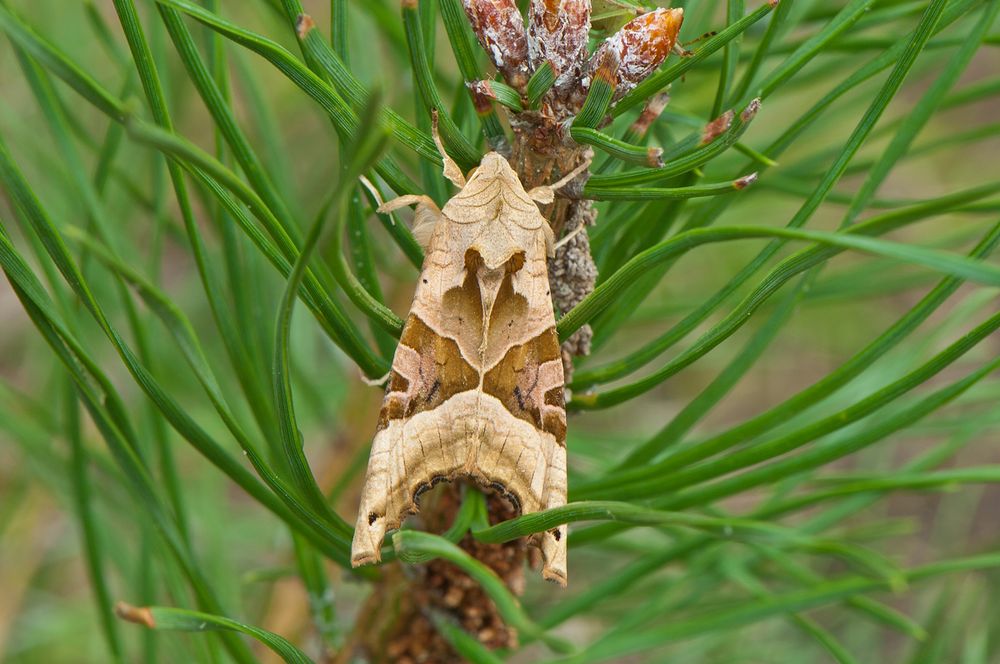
(476, 388)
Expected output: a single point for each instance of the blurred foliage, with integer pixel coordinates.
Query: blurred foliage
(800, 463)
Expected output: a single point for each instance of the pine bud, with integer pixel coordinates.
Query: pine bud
(500, 29)
(557, 33)
(642, 45)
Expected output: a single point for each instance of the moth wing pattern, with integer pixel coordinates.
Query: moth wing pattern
(476, 387)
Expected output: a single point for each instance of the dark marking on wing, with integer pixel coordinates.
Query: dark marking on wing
(556, 397)
(515, 382)
(424, 487)
(507, 495)
(434, 388)
(555, 420)
(393, 408)
(555, 423)
(397, 383)
(442, 372)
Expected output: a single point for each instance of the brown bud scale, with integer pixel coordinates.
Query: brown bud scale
(304, 23)
(717, 127)
(141, 615)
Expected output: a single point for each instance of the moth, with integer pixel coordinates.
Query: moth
(476, 386)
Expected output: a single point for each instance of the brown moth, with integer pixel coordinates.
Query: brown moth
(476, 387)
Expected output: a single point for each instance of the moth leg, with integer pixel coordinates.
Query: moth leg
(424, 219)
(405, 201)
(547, 193)
(569, 236)
(450, 168)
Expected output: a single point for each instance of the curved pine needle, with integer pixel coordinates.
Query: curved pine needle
(416, 546)
(778, 276)
(183, 620)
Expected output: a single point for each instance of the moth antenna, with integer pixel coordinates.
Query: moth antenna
(450, 169)
(569, 177)
(547, 193)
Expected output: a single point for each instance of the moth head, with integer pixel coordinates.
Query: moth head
(493, 165)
